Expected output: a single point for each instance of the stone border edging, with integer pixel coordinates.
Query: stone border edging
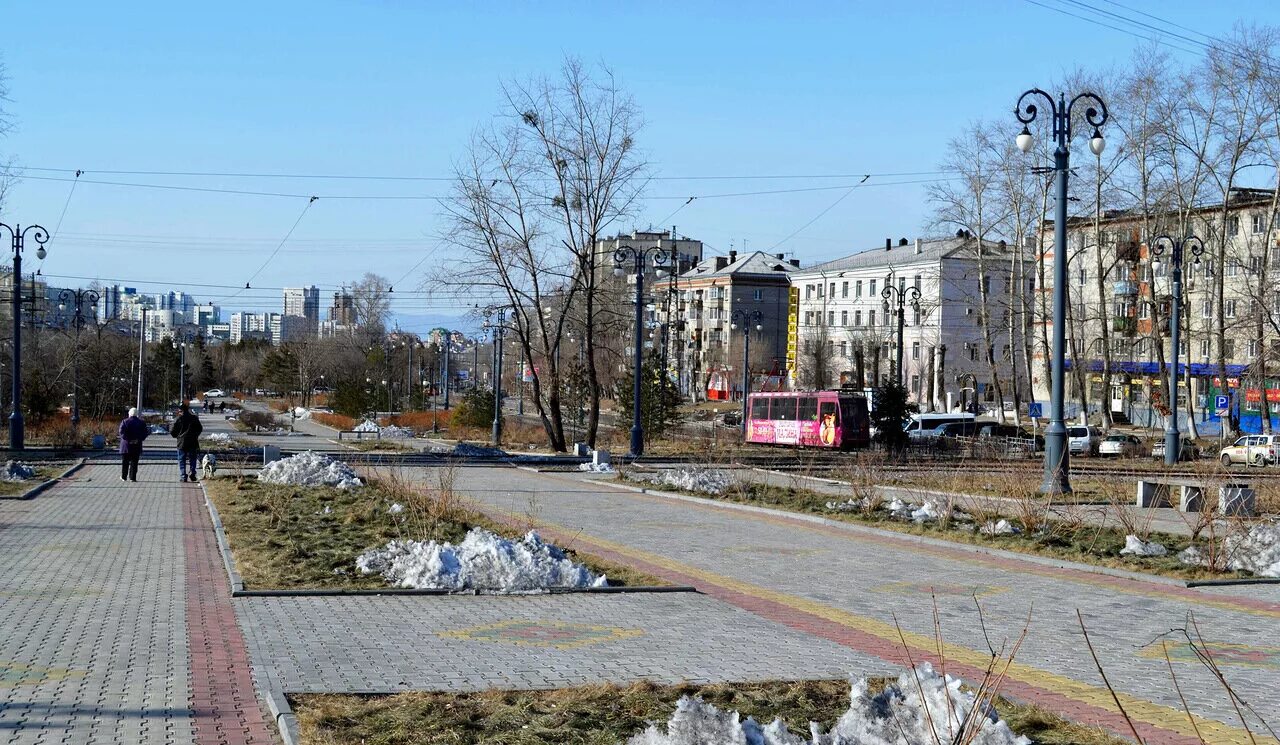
(48, 483)
(238, 589)
(286, 721)
(927, 540)
(224, 548)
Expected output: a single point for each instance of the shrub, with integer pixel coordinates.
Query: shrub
(257, 420)
(419, 420)
(475, 410)
(890, 416)
(337, 421)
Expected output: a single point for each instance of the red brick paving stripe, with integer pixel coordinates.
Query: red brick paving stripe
(224, 704)
(871, 644)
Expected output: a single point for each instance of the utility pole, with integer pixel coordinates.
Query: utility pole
(142, 346)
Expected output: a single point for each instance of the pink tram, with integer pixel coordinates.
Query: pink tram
(836, 420)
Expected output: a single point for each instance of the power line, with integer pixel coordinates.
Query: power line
(1097, 22)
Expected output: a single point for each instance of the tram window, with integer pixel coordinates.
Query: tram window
(808, 410)
(783, 409)
(827, 409)
(759, 408)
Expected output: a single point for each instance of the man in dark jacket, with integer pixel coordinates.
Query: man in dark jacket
(186, 430)
(132, 432)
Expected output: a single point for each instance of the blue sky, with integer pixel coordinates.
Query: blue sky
(395, 88)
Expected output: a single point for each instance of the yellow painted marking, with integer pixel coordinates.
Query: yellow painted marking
(1138, 709)
(604, 634)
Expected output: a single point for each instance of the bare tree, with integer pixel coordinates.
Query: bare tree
(371, 296)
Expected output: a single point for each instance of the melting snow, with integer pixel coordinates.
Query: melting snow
(482, 561)
(468, 450)
(16, 471)
(367, 425)
(218, 437)
(921, 708)
(595, 467)
(396, 508)
(393, 431)
(1135, 546)
(1003, 527)
(310, 469)
(706, 480)
(1257, 550)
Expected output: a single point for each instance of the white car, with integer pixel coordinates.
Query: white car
(1124, 446)
(215, 393)
(1254, 450)
(1082, 440)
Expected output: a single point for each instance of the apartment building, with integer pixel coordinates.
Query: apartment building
(1119, 304)
(694, 314)
(968, 321)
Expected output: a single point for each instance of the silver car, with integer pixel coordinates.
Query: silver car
(1082, 440)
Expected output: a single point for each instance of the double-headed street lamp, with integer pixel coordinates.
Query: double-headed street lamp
(77, 298)
(1056, 463)
(896, 299)
(640, 257)
(495, 317)
(1176, 247)
(747, 321)
(443, 346)
(18, 236)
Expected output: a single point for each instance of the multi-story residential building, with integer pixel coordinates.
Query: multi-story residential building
(1119, 303)
(247, 326)
(343, 310)
(687, 250)
(284, 329)
(968, 321)
(303, 302)
(694, 314)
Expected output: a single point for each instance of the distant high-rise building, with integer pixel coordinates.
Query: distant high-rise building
(303, 302)
(343, 310)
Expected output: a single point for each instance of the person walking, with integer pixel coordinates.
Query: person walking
(132, 432)
(186, 430)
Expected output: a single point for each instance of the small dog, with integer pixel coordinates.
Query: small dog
(208, 465)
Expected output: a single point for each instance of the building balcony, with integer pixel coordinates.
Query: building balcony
(1125, 288)
(1124, 325)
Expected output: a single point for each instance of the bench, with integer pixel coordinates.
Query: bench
(359, 434)
(1234, 498)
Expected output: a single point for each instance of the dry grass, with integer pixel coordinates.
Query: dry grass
(603, 714)
(420, 421)
(43, 474)
(282, 537)
(337, 421)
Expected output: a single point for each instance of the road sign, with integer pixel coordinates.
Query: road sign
(1035, 411)
(1221, 401)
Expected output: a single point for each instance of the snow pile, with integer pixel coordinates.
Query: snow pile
(595, 468)
(468, 450)
(482, 561)
(1003, 527)
(1257, 550)
(926, 512)
(921, 708)
(367, 425)
(301, 413)
(705, 480)
(393, 431)
(310, 469)
(1135, 546)
(396, 508)
(218, 438)
(15, 471)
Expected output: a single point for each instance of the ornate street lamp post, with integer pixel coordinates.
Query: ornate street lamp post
(1056, 459)
(747, 320)
(1158, 245)
(18, 236)
(639, 257)
(78, 298)
(896, 299)
(499, 336)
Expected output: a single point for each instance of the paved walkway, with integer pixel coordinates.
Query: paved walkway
(853, 587)
(116, 622)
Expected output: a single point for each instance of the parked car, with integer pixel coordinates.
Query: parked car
(1254, 450)
(1121, 445)
(1082, 440)
(215, 393)
(1189, 449)
(926, 425)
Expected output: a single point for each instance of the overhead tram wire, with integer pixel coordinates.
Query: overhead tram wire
(1096, 22)
(58, 227)
(817, 217)
(305, 209)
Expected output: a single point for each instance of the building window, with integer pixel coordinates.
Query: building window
(1275, 257)
(1233, 267)
(808, 318)
(1259, 224)
(1255, 265)
(844, 349)
(871, 288)
(844, 318)
(1206, 309)
(916, 316)
(1228, 347)
(1253, 343)
(1144, 311)
(871, 318)
(915, 350)
(986, 284)
(759, 296)
(1082, 277)
(1204, 348)
(844, 289)
(915, 384)
(973, 352)
(857, 289)
(902, 284)
(915, 281)
(1230, 309)
(1233, 224)
(857, 317)
(1006, 356)
(832, 291)
(831, 318)
(822, 289)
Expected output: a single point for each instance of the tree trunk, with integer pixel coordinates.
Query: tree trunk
(931, 403)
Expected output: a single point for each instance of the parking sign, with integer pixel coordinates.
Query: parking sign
(1035, 411)
(1221, 401)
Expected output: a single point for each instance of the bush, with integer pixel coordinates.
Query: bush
(258, 420)
(659, 399)
(419, 420)
(476, 409)
(890, 416)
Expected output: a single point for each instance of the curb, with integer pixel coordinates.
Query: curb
(224, 548)
(286, 722)
(938, 542)
(44, 486)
